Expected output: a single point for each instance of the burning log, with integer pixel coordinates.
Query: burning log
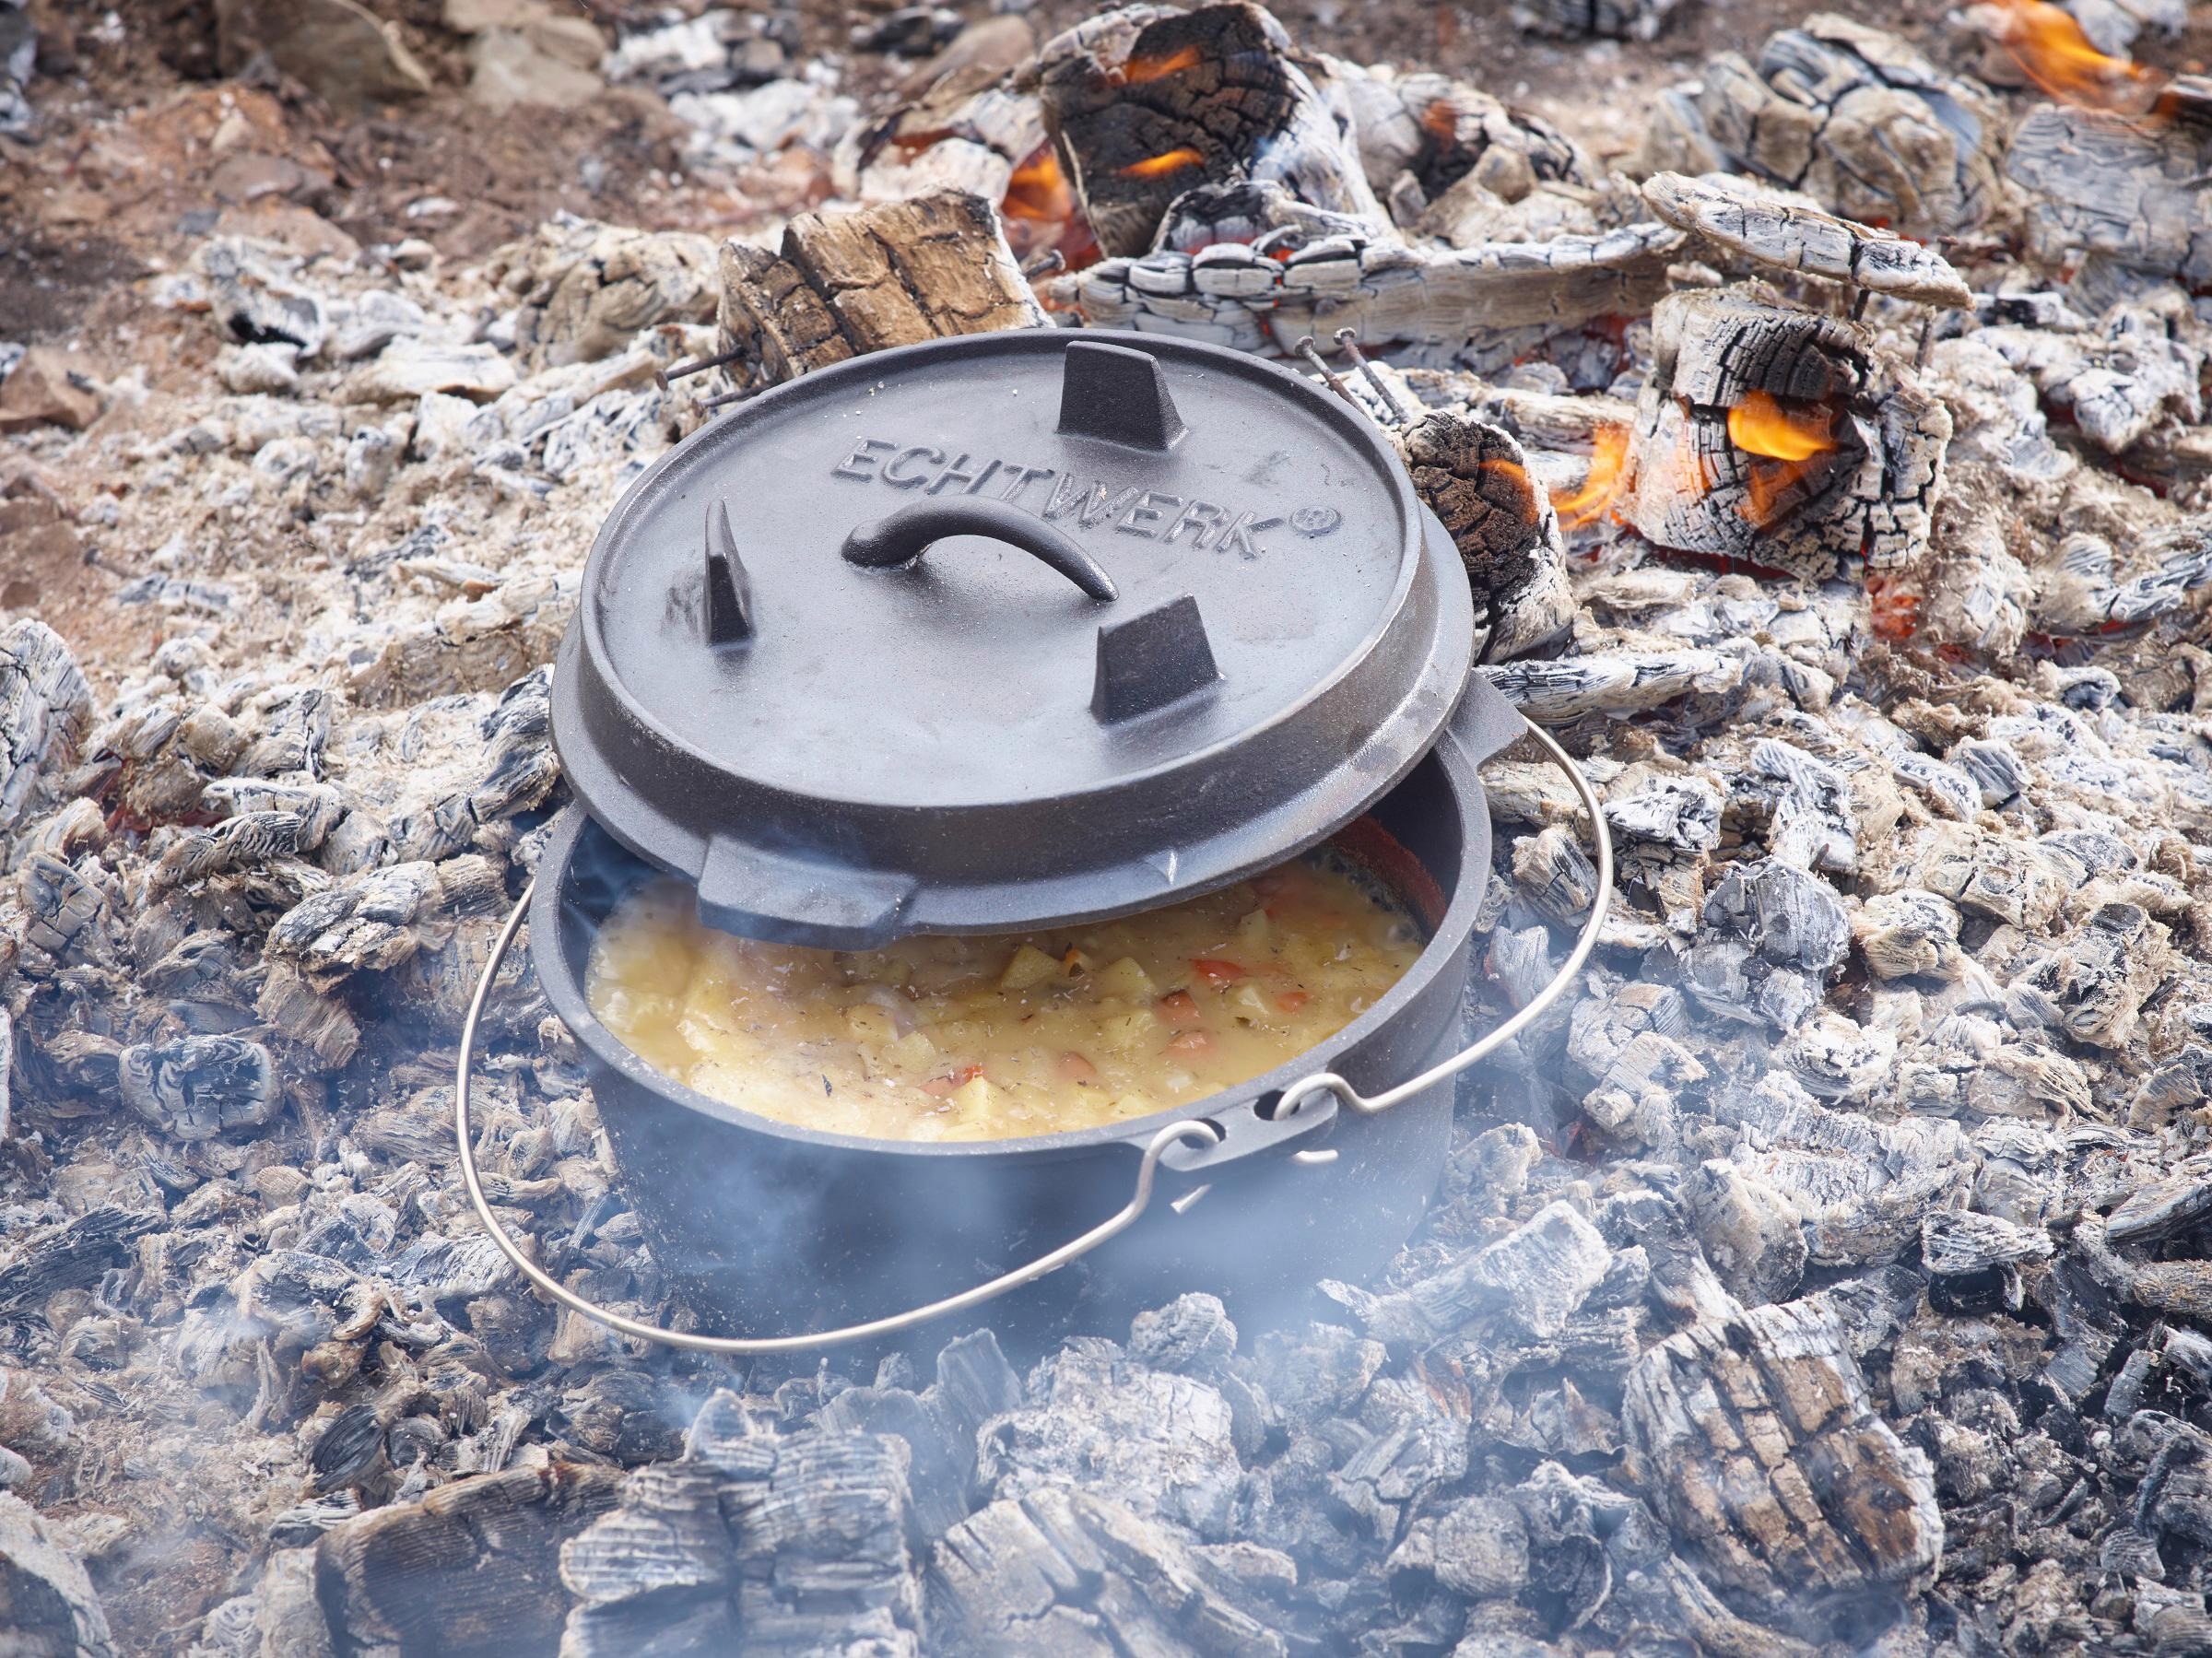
(1781, 437)
(1144, 103)
(47, 1601)
(959, 122)
(845, 286)
(1422, 137)
(1474, 477)
(1852, 116)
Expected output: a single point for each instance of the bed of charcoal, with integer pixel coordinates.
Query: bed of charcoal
(1821, 416)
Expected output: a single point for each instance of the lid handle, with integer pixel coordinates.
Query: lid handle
(906, 535)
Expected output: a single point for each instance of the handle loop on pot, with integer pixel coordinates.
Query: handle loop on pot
(1188, 1129)
(1367, 1105)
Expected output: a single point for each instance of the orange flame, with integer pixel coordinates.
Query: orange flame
(1038, 191)
(1154, 166)
(1593, 499)
(2054, 53)
(1138, 70)
(1788, 438)
(1761, 426)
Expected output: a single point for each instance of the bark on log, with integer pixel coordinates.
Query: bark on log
(896, 274)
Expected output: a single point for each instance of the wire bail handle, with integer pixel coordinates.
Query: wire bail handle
(1291, 1101)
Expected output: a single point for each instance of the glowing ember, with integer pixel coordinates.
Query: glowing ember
(1138, 70)
(1154, 166)
(1039, 191)
(1592, 500)
(2054, 53)
(1785, 441)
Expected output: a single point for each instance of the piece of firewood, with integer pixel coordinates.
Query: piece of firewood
(1754, 1435)
(1782, 438)
(1145, 102)
(1768, 228)
(1476, 308)
(1476, 478)
(843, 285)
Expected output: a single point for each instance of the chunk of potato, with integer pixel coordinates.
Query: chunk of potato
(1029, 968)
(1127, 980)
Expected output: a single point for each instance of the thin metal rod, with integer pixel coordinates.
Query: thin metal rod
(701, 365)
(751, 1345)
(1306, 349)
(1044, 265)
(726, 398)
(1347, 340)
(1294, 1096)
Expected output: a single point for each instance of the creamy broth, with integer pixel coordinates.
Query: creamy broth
(1004, 1036)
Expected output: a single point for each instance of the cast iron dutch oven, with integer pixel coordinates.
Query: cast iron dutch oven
(996, 633)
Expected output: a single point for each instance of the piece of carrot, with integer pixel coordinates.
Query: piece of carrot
(943, 1085)
(1192, 1042)
(1177, 1011)
(1216, 970)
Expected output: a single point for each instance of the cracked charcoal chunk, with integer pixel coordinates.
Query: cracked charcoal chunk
(1957, 1242)
(1539, 1273)
(1755, 1438)
(2135, 193)
(1607, 19)
(893, 275)
(1852, 116)
(1160, 1443)
(974, 1383)
(1065, 1571)
(47, 1601)
(469, 1570)
(71, 1254)
(199, 1086)
(45, 706)
(1480, 308)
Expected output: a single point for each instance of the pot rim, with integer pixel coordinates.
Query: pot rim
(564, 991)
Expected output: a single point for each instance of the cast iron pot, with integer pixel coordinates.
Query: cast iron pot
(1319, 1169)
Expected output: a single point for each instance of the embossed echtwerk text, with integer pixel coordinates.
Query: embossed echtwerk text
(1090, 504)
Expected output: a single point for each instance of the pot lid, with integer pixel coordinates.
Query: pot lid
(1005, 630)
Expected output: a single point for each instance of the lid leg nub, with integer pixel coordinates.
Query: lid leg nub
(1118, 393)
(729, 590)
(1149, 660)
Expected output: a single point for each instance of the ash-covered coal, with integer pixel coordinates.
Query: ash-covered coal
(1831, 1273)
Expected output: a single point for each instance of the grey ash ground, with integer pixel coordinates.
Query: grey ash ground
(1832, 1275)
